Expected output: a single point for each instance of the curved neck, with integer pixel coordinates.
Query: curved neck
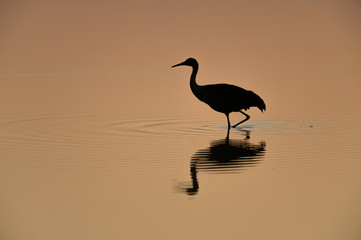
(194, 85)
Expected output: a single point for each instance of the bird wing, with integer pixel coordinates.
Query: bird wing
(229, 98)
(225, 97)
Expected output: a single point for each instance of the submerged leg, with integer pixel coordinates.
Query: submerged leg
(227, 137)
(229, 126)
(247, 117)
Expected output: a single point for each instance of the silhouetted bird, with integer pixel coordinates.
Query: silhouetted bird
(223, 98)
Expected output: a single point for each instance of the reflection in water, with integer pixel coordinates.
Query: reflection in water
(223, 156)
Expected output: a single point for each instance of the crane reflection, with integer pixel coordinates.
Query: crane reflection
(223, 156)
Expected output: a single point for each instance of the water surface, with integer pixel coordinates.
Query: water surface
(100, 139)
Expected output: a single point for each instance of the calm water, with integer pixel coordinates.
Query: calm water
(99, 174)
(100, 139)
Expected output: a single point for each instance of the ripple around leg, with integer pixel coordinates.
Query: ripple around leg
(87, 128)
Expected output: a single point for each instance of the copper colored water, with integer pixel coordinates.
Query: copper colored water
(101, 139)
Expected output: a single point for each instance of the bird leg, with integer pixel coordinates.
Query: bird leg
(247, 117)
(229, 124)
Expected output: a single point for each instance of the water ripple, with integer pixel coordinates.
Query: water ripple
(89, 129)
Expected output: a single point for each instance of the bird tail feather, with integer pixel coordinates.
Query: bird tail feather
(259, 103)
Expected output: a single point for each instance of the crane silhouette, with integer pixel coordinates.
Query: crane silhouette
(224, 98)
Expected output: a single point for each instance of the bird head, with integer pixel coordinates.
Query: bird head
(189, 62)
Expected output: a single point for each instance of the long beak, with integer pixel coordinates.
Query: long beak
(179, 64)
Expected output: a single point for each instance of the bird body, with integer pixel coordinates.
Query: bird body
(227, 98)
(224, 98)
